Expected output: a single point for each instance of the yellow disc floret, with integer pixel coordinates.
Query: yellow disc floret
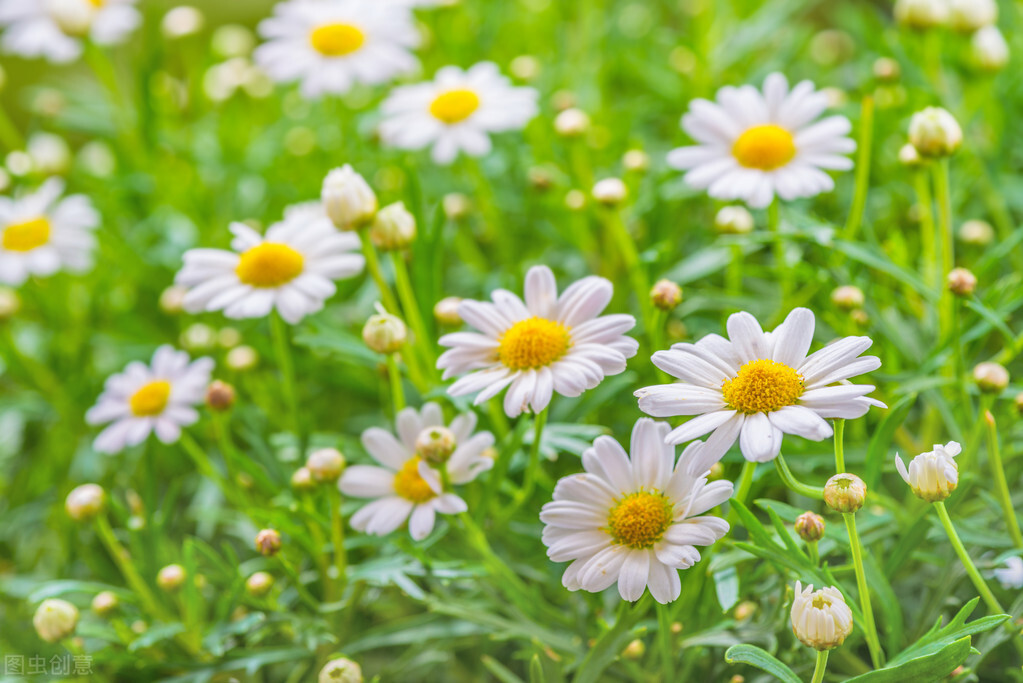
(454, 106)
(337, 40)
(762, 386)
(640, 519)
(269, 265)
(151, 399)
(533, 343)
(410, 485)
(27, 235)
(765, 147)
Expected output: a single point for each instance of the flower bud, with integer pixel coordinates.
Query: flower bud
(921, 14)
(935, 133)
(845, 492)
(393, 228)
(847, 297)
(171, 577)
(348, 199)
(820, 619)
(181, 21)
(977, 232)
(744, 610)
(734, 220)
(988, 49)
(525, 67)
(268, 542)
(199, 337)
(610, 191)
(991, 378)
(571, 123)
(85, 502)
(326, 465)
(810, 527)
(302, 479)
(634, 650)
(105, 602)
(384, 333)
(961, 282)
(445, 311)
(10, 303)
(341, 670)
(55, 620)
(220, 396)
(1019, 403)
(50, 153)
(968, 16)
(636, 161)
(540, 178)
(259, 584)
(575, 200)
(908, 156)
(456, 206)
(666, 295)
(435, 445)
(233, 40)
(242, 358)
(933, 475)
(887, 69)
(228, 337)
(172, 299)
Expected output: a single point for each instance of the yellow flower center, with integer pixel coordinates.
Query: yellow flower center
(762, 386)
(97, 3)
(820, 601)
(455, 105)
(765, 147)
(151, 399)
(27, 235)
(533, 343)
(337, 40)
(269, 264)
(640, 519)
(409, 485)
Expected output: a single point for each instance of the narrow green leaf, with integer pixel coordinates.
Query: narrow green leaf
(932, 667)
(761, 659)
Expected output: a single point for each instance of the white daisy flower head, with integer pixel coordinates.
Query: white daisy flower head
(933, 475)
(290, 269)
(456, 112)
(43, 233)
(1011, 575)
(820, 619)
(55, 29)
(635, 518)
(753, 145)
(405, 486)
(547, 344)
(760, 385)
(159, 397)
(330, 45)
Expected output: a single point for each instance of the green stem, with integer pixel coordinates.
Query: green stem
(822, 664)
(790, 481)
(202, 462)
(995, 456)
(664, 634)
(733, 275)
(397, 392)
(127, 568)
(529, 480)
(944, 200)
(774, 227)
(928, 231)
(423, 342)
(637, 275)
(337, 537)
(745, 482)
(852, 226)
(815, 556)
(870, 629)
(839, 446)
(296, 578)
(964, 557)
(597, 659)
(279, 334)
(373, 266)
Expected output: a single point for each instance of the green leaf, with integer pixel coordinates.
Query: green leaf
(932, 667)
(939, 638)
(536, 670)
(761, 659)
(499, 670)
(726, 585)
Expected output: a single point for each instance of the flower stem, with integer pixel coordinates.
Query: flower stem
(127, 568)
(928, 231)
(870, 629)
(852, 226)
(397, 392)
(822, 664)
(337, 537)
(944, 200)
(839, 446)
(664, 634)
(733, 275)
(745, 481)
(790, 481)
(637, 275)
(281, 349)
(774, 227)
(815, 556)
(529, 480)
(202, 462)
(423, 342)
(296, 578)
(1000, 484)
(373, 266)
(964, 557)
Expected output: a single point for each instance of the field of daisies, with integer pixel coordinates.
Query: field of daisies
(531, 341)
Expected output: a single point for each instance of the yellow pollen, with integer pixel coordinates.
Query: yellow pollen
(454, 106)
(337, 40)
(765, 147)
(821, 601)
(269, 264)
(762, 386)
(409, 485)
(533, 343)
(27, 235)
(151, 399)
(640, 519)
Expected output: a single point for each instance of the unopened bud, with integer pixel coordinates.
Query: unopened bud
(181, 21)
(744, 610)
(1019, 403)
(977, 232)
(935, 133)
(302, 479)
(610, 191)
(575, 200)
(847, 297)
(348, 199)
(991, 378)
(55, 620)
(456, 206)
(962, 282)
(393, 228)
(435, 445)
(85, 502)
(171, 577)
(105, 602)
(259, 584)
(341, 670)
(634, 650)
(845, 492)
(810, 527)
(445, 311)
(525, 67)
(733, 220)
(199, 337)
(666, 295)
(887, 69)
(636, 161)
(10, 303)
(384, 333)
(571, 123)
(220, 396)
(921, 14)
(325, 464)
(968, 16)
(242, 358)
(268, 542)
(988, 49)
(908, 156)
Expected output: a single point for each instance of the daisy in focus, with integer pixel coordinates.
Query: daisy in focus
(330, 45)
(760, 385)
(933, 475)
(143, 399)
(754, 145)
(633, 520)
(456, 112)
(54, 29)
(42, 233)
(408, 486)
(290, 269)
(534, 348)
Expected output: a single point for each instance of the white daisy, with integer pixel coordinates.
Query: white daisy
(41, 233)
(290, 269)
(933, 475)
(456, 112)
(330, 45)
(635, 521)
(146, 398)
(547, 344)
(406, 487)
(54, 29)
(760, 385)
(1011, 576)
(753, 146)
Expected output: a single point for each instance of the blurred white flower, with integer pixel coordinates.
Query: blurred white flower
(988, 49)
(50, 153)
(1011, 577)
(143, 399)
(820, 619)
(933, 475)
(406, 487)
(54, 29)
(971, 15)
(456, 112)
(753, 145)
(633, 520)
(330, 45)
(41, 233)
(547, 344)
(182, 21)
